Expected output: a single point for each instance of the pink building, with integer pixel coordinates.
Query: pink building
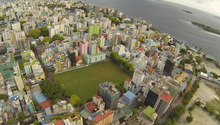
(86, 46)
(82, 48)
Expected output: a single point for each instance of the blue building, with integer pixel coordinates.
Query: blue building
(128, 98)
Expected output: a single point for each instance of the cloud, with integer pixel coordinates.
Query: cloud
(210, 6)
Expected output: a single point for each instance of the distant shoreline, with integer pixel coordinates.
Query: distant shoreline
(207, 28)
(188, 11)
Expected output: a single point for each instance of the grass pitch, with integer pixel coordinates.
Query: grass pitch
(84, 81)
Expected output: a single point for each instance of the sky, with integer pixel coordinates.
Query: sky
(210, 6)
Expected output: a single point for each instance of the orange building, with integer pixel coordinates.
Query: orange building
(105, 118)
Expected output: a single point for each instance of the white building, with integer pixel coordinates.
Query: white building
(102, 41)
(120, 49)
(138, 77)
(160, 65)
(55, 18)
(16, 26)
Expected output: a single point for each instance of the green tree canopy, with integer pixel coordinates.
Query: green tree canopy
(4, 97)
(189, 118)
(29, 84)
(50, 89)
(37, 123)
(21, 117)
(13, 19)
(74, 100)
(135, 111)
(37, 106)
(52, 69)
(44, 31)
(3, 17)
(56, 37)
(30, 14)
(46, 39)
(21, 64)
(75, 30)
(34, 33)
(184, 51)
(21, 23)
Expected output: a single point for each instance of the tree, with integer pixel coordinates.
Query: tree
(44, 31)
(196, 84)
(10, 121)
(37, 106)
(29, 84)
(181, 94)
(21, 117)
(135, 111)
(52, 69)
(89, 100)
(33, 47)
(180, 66)
(56, 37)
(21, 15)
(30, 14)
(140, 103)
(75, 30)
(191, 108)
(74, 100)
(46, 39)
(131, 69)
(50, 89)
(184, 51)
(3, 17)
(4, 97)
(189, 118)
(199, 61)
(21, 64)
(21, 23)
(37, 123)
(215, 75)
(198, 103)
(13, 19)
(34, 33)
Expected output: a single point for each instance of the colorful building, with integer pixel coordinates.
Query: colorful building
(105, 118)
(94, 29)
(126, 111)
(94, 58)
(27, 68)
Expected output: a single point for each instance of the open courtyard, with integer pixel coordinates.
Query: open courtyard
(84, 81)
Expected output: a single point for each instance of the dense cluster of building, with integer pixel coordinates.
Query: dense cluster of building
(88, 34)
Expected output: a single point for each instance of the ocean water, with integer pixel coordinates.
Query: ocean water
(169, 17)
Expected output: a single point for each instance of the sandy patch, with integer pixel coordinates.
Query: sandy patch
(201, 117)
(205, 93)
(210, 67)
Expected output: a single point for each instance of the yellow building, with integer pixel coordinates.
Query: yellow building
(38, 72)
(105, 118)
(172, 49)
(142, 38)
(137, 44)
(19, 81)
(178, 77)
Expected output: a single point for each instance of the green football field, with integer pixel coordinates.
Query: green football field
(84, 81)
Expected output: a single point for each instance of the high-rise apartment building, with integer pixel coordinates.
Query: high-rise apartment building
(169, 67)
(109, 94)
(94, 29)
